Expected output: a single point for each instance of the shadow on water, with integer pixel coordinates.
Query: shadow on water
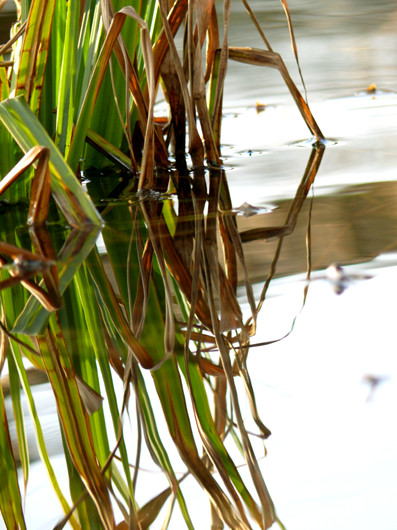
(352, 226)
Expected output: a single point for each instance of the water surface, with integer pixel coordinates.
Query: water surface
(329, 389)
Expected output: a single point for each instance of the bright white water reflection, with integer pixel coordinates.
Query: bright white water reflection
(328, 392)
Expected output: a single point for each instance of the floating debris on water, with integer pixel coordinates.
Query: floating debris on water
(373, 381)
(260, 107)
(373, 90)
(340, 280)
(248, 210)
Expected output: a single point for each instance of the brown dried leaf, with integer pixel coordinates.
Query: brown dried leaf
(175, 18)
(257, 25)
(230, 234)
(150, 511)
(152, 222)
(268, 58)
(195, 145)
(293, 42)
(213, 42)
(91, 399)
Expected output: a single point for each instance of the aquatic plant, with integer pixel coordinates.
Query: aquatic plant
(79, 92)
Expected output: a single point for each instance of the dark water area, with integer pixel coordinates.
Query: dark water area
(327, 390)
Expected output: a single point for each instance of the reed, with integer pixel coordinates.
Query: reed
(79, 92)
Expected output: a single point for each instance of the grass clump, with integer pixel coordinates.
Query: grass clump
(79, 91)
